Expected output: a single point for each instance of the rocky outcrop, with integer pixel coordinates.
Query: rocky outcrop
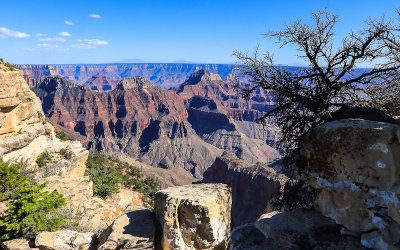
(63, 240)
(194, 216)
(297, 229)
(354, 164)
(134, 229)
(100, 83)
(25, 134)
(252, 186)
(165, 75)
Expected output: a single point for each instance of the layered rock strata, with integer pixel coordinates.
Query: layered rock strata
(161, 128)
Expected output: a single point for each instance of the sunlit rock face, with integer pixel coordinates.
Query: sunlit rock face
(194, 216)
(355, 166)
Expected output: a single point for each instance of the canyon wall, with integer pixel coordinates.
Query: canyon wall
(169, 129)
(165, 75)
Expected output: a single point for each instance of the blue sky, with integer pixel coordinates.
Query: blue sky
(50, 32)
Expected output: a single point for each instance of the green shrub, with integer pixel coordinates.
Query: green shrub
(10, 66)
(10, 180)
(133, 179)
(42, 160)
(67, 153)
(29, 210)
(62, 136)
(105, 176)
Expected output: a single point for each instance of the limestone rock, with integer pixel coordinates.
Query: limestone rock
(355, 166)
(17, 244)
(25, 134)
(63, 240)
(252, 186)
(134, 229)
(96, 214)
(297, 229)
(194, 216)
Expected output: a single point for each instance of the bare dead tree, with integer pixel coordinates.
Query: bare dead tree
(308, 96)
(384, 96)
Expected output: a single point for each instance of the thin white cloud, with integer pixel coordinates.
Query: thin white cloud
(68, 22)
(64, 33)
(89, 43)
(83, 46)
(52, 40)
(40, 34)
(7, 33)
(48, 46)
(95, 42)
(94, 16)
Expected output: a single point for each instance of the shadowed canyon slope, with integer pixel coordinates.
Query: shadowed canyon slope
(163, 128)
(165, 75)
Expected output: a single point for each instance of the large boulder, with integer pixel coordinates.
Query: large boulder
(194, 216)
(252, 186)
(354, 164)
(16, 244)
(63, 240)
(297, 229)
(134, 229)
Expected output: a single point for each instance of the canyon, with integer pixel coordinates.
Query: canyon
(168, 129)
(349, 165)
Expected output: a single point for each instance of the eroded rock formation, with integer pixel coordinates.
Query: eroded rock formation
(194, 216)
(252, 186)
(161, 128)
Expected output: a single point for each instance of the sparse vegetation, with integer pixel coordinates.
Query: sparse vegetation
(29, 207)
(67, 153)
(105, 176)
(10, 66)
(43, 159)
(39, 114)
(26, 100)
(133, 178)
(62, 136)
(108, 174)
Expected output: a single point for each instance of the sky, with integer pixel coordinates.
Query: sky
(201, 31)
